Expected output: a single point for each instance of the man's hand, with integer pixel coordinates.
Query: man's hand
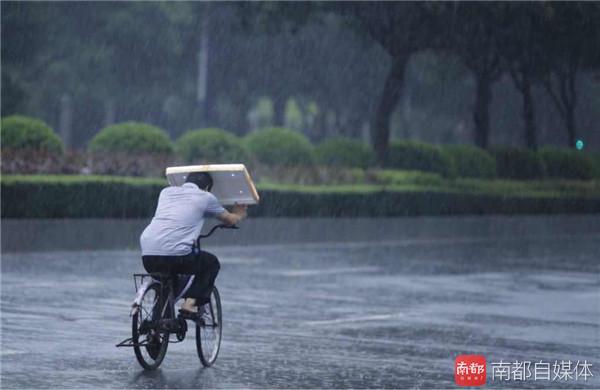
(238, 212)
(240, 209)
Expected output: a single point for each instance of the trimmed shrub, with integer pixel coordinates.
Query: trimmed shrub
(406, 178)
(521, 164)
(309, 175)
(471, 161)
(566, 164)
(279, 146)
(595, 157)
(211, 146)
(344, 152)
(131, 137)
(20, 132)
(418, 156)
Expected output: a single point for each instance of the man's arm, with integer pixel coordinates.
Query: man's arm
(238, 212)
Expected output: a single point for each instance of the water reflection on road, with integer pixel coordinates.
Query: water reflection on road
(371, 314)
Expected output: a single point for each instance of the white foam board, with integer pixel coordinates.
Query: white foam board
(231, 182)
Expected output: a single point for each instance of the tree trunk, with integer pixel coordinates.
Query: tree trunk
(279, 103)
(66, 120)
(320, 126)
(203, 104)
(529, 115)
(388, 101)
(481, 112)
(110, 112)
(241, 126)
(564, 96)
(571, 125)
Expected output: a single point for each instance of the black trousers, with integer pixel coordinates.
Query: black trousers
(203, 265)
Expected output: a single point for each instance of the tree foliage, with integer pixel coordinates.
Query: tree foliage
(343, 61)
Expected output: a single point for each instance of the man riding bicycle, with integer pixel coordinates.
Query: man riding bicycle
(169, 241)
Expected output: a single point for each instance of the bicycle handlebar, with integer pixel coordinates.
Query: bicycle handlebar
(220, 226)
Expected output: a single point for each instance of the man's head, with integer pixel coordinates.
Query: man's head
(201, 179)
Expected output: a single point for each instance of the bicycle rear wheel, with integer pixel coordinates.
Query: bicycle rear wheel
(149, 345)
(208, 335)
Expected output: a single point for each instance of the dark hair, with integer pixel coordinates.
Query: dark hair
(201, 179)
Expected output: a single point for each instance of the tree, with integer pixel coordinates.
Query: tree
(123, 58)
(305, 51)
(521, 47)
(472, 31)
(275, 22)
(402, 29)
(26, 32)
(571, 44)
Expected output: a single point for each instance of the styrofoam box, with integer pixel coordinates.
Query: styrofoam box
(231, 182)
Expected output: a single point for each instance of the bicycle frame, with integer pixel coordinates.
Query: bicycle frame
(143, 282)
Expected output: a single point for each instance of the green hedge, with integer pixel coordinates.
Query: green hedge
(595, 157)
(131, 137)
(79, 197)
(566, 163)
(394, 177)
(109, 197)
(520, 164)
(22, 132)
(396, 204)
(211, 146)
(418, 156)
(278, 146)
(471, 161)
(344, 152)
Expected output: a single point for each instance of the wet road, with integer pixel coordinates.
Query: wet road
(388, 314)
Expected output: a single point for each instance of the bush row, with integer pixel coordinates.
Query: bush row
(106, 197)
(284, 147)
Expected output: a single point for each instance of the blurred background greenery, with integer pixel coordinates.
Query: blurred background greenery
(498, 98)
(438, 73)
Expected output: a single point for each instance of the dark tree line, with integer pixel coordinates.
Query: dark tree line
(192, 64)
(535, 42)
(109, 62)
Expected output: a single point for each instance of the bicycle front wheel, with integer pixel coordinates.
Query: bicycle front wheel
(208, 334)
(149, 344)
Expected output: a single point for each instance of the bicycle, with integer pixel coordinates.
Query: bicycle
(154, 321)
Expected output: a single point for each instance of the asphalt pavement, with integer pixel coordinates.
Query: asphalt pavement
(366, 314)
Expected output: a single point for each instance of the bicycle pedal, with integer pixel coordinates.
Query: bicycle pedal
(197, 318)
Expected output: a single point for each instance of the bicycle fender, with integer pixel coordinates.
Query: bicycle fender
(140, 294)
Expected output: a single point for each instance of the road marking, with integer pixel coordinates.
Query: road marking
(375, 317)
(332, 271)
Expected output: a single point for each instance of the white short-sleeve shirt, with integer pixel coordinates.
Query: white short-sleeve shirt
(178, 220)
